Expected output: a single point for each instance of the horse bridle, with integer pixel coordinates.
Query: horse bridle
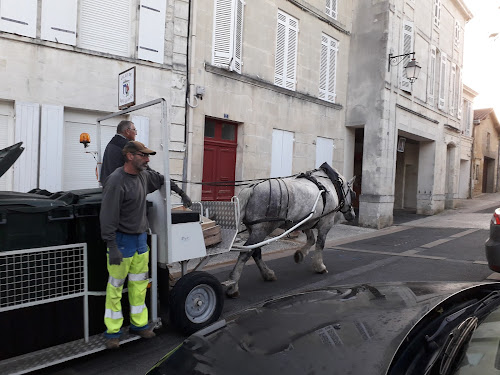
(349, 191)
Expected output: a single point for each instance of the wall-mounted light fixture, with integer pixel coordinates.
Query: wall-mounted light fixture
(412, 68)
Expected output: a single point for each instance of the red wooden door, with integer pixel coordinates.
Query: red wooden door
(219, 160)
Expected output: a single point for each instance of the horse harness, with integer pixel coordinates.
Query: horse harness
(332, 175)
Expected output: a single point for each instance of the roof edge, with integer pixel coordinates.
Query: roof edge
(465, 11)
(470, 91)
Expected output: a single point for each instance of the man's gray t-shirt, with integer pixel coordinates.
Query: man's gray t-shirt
(123, 206)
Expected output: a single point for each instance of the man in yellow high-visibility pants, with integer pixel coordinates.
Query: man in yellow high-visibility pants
(123, 227)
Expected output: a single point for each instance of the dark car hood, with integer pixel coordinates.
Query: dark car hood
(8, 156)
(335, 330)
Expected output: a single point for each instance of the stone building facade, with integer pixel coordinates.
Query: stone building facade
(59, 67)
(268, 89)
(486, 149)
(407, 137)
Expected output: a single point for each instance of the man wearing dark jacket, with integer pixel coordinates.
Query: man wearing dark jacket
(113, 157)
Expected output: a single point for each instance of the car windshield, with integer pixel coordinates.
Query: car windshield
(482, 355)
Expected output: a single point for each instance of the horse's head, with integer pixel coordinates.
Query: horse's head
(349, 197)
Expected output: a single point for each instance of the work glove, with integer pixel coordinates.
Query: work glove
(186, 201)
(115, 255)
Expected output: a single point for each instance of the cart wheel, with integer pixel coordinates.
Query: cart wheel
(195, 301)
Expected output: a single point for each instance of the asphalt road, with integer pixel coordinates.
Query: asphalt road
(413, 250)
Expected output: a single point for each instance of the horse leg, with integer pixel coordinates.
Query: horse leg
(233, 290)
(317, 257)
(265, 271)
(304, 250)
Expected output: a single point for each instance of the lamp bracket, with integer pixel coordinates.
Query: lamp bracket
(396, 60)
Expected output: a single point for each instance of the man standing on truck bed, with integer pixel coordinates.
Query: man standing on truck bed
(113, 157)
(123, 228)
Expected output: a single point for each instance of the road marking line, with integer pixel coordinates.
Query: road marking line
(408, 253)
(494, 276)
(481, 262)
(436, 243)
(464, 233)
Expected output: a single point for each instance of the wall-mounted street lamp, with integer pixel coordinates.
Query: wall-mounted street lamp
(412, 68)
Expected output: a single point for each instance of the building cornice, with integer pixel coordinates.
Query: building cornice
(416, 113)
(463, 8)
(269, 86)
(321, 16)
(469, 91)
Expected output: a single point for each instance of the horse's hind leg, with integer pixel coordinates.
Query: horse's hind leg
(317, 257)
(265, 271)
(304, 250)
(233, 290)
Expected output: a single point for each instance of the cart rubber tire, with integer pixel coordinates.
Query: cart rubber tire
(195, 301)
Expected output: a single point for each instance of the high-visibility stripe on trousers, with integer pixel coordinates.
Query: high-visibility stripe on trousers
(136, 268)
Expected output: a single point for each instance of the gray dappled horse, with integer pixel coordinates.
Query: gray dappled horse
(283, 203)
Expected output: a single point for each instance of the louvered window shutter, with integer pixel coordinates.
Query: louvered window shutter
(281, 51)
(328, 68)
(105, 26)
(457, 33)
(223, 33)
(51, 147)
(432, 75)
(291, 63)
(59, 21)
(286, 51)
(437, 12)
(152, 30)
(460, 98)
(18, 17)
(407, 47)
(442, 81)
(238, 35)
(453, 88)
(331, 8)
(27, 130)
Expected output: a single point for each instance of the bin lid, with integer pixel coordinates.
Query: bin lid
(8, 156)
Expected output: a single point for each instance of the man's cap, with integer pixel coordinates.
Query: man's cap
(134, 146)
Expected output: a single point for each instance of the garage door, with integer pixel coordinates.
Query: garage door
(79, 169)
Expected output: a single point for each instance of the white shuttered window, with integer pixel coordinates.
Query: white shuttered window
(331, 8)
(437, 12)
(453, 89)
(286, 51)
(228, 34)
(105, 26)
(407, 47)
(59, 21)
(457, 34)
(328, 68)
(51, 147)
(442, 82)
(142, 125)
(18, 17)
(152, 30)
(324, 151)
(281, 156)
(459, 94)
(27, 131)
(432, 75)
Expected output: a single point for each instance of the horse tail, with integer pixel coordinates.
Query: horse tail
(244, 196)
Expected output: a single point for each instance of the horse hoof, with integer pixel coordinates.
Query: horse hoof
(233, 294)
(271, 278)
(324, 271)
(298, 257)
